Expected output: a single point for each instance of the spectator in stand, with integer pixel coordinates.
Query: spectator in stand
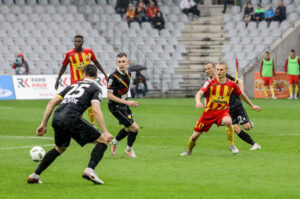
(280, 12)
(259, 14)
(269, 15)
(140, 84)
(130, 14)
(147, 2)
(292, 68)
(21, 66)
(226, 2)
(267, 71)
(189, 6)
(158, 22)
(141, 12)
(121, 7)
(248, 13)
(152, 10)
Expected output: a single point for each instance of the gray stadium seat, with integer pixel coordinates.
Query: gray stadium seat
(42, 2)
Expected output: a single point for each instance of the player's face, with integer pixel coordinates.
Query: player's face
(209, 70)
(221, 71)
(122, 63)
(78, 43)
(267, 55)
(292, 54)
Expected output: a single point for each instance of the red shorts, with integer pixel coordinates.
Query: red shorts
(209, 118)
(294, 79)
(267, 81)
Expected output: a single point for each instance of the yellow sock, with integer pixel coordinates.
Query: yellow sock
(291, 89)
(91, 115)
(272, 90)
(296, 89)
(265, 91)
(230, 134)
(191, 145)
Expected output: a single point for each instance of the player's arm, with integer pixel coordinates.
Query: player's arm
(41, 130)
(114, 98)
(197, 99)
(260, 70)
(61, 72)
(245, 98)
(100, 68)
(100, 119)
(240, 84)
(286, 65)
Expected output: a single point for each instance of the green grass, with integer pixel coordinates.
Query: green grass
(159, 172)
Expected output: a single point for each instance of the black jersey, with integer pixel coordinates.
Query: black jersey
(78, 97)
(118, 83)
(234, 100)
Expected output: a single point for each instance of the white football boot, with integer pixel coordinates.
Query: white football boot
(34, 179)
(89, 174)
(113, 148)
(255, 146)
(233, 149)
(130, 152)
(185, 153)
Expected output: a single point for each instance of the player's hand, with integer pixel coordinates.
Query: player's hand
(256, 108)
(199, 105)
(108, 136)
(56, 85)
(132, 103)
(41, 130)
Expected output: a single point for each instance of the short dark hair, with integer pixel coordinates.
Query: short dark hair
(267, 52)
(211, 64)
(223, 63)
(293, 51)
(78, 36)
(90, 70)
(121, 55)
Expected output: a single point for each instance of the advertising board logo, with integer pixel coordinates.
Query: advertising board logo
(5, 92)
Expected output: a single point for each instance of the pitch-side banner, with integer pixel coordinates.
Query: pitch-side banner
(42, 86)
(280, 84)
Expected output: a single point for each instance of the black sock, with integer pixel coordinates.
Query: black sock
(47, 160)
(246, 137)
(131, 138)
(97, 155)
(122, 134)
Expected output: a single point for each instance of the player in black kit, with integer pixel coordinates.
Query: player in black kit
(117, 92)
(68, 123)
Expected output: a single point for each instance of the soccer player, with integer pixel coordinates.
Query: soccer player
(79, 57)
(237, 111)
(117, 93)
(68, 123)
(267, 71)
(291, 67)
(217, 91)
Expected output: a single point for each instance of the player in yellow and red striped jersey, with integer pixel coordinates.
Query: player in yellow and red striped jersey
(78, 58)
(217, 92)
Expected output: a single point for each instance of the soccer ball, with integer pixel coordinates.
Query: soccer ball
(37, 153)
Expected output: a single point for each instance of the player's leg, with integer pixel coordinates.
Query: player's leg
(265, 86)
(132, 130)
(227, 121)
(191, 143)
(91, 115)
(291, 86)
(247, 138)
(271, 87)
(296, 83)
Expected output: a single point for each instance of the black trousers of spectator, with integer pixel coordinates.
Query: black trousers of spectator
(194, 10)
(279, 18)
(226, 2)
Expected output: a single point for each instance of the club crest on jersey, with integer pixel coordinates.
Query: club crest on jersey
(87, 57)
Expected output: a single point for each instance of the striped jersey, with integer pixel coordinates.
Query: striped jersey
(77, 61)
(218, 95)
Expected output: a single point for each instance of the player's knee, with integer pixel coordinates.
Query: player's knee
(60, 149)
(247, 126)
(237, 129)
(134, 128)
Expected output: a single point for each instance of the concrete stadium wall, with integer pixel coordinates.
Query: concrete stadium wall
(279, 52)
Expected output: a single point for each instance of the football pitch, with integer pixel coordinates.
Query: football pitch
(212, 171)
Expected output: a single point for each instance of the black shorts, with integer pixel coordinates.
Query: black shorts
(122, 113)
(78, 129)
(239, 115)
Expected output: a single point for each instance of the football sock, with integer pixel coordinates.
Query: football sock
(122, 134)
(191, 145)
(97, 155)
(91, 115)
(265, 91)
(131, 138)
(272, 90)
(230, 134)
(47, 160)
(296, 89)
(246, 137)
(291, 89)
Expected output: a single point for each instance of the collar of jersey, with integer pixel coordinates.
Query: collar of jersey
(122, 72)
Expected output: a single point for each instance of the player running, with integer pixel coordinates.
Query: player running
(117, 93)
(217, 92)
(68, 123)
(237, 111)
(79, 57)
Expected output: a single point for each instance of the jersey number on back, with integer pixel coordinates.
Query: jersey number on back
(76, 91)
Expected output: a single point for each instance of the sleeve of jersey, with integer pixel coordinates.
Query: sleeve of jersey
(66, 61)
(205, 86)
(97, 96)
(110, 83)
(62, 94)
(232, 78)
(237, 91)
(93, 56)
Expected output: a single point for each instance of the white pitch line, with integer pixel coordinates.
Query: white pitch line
(289, 135)
(7, 108)
(23, 147)
(25, 137)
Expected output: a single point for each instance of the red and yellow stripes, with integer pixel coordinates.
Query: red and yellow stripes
(77, 63)
(122, 81)
(218, 97)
